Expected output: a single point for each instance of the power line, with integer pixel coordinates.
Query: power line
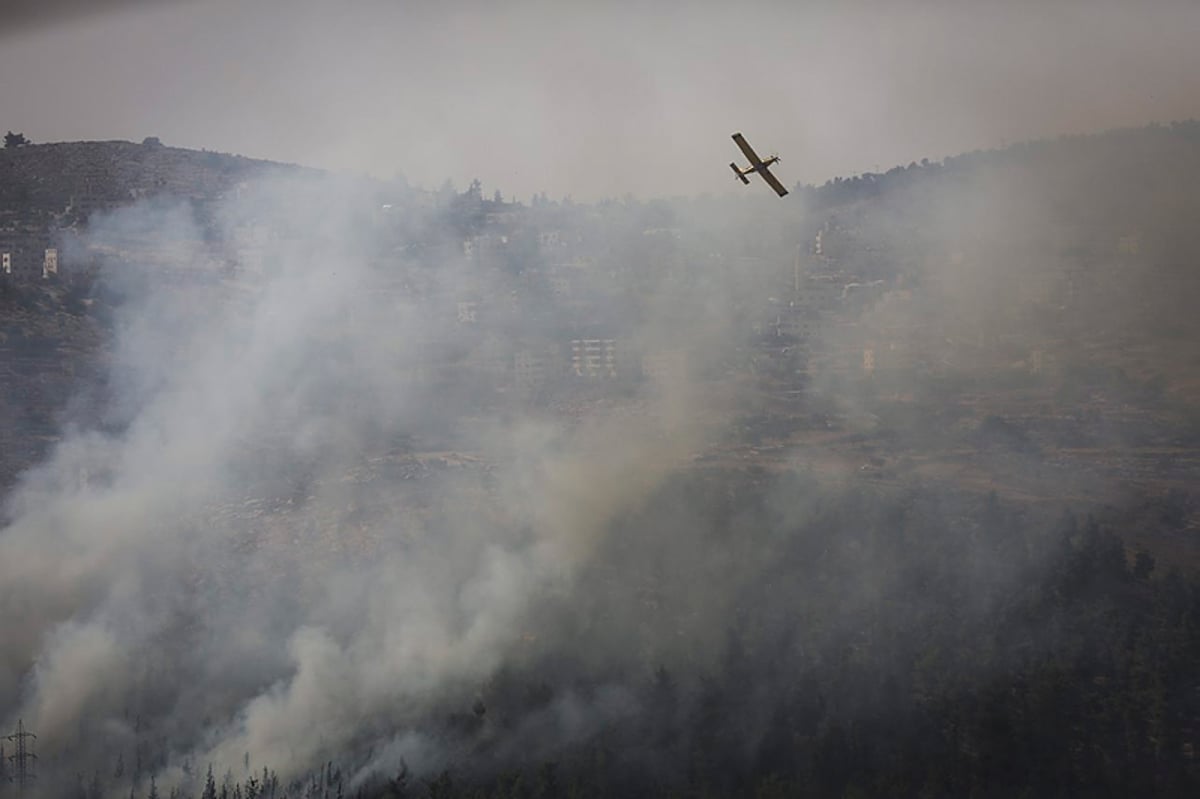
(23, 757)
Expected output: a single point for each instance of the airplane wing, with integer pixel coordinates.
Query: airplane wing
(747, 150)
(772, 181)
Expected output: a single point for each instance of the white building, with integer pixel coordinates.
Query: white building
(594, 357)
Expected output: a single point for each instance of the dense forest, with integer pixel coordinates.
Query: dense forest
(991, 655)
(899, 643)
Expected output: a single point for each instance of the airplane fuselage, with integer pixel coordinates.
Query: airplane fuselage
(750, 170)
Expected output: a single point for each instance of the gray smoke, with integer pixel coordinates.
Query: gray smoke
(245, 566)
(310, 523)
(592, 100)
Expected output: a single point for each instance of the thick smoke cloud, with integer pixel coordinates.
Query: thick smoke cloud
(309, 527)
(237, 565)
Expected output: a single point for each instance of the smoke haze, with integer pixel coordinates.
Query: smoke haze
(346, 495)
(309, 525)
(231, 565)
(593, 101)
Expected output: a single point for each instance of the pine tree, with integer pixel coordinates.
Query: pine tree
(270, 782)
(210, 785)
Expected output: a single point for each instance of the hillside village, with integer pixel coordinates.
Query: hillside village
(510, 254)
(865, 290)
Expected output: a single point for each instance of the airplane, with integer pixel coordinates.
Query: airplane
(757, 165)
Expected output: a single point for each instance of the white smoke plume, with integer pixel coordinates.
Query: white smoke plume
(304, 525)
(231, 565)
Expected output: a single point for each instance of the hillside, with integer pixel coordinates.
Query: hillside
(69, 180)
(848, 495)
(52, 343)
(1073, 259)
(48, 192)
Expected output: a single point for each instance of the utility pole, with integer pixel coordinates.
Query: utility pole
(22, 768)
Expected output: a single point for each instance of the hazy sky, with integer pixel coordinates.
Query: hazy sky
(593, 99)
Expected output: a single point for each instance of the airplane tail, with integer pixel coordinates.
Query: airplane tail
(738, 172)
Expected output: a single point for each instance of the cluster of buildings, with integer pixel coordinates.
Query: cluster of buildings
(18, 263)
(51, 192)
(535, 299)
